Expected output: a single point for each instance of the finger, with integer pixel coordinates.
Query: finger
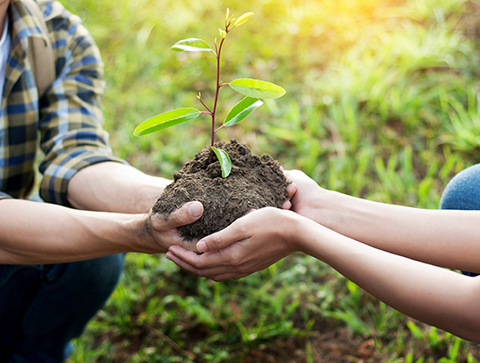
(216, 274)
(222, 276)
(287, 205)
(220, 240)
(291, 189)
(293, 174)
(181, 263)
(191, 263)
(205, 261)
(182, 253)
(188, 213)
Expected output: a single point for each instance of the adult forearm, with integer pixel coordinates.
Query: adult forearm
(38, 233)
(442, 237)
(425, 292)
(114, 187)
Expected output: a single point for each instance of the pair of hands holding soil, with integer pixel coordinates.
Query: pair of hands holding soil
(254, 241)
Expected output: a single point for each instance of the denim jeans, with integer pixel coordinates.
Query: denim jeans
(463, 193)
(42, 307)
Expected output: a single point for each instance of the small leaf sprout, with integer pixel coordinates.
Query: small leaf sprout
(254, 91)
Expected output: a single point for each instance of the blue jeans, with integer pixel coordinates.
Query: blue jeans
(42, 307)
(463, 193)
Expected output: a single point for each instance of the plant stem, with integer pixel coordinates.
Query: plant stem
(218, 86)
(206, 107)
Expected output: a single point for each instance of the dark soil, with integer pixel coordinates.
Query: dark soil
(255, 182)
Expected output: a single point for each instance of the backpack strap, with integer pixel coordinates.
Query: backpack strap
(40, 51)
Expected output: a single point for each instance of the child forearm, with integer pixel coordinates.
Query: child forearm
(441, 237)
(425, 292)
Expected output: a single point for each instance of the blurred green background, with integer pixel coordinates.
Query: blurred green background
(382, 102)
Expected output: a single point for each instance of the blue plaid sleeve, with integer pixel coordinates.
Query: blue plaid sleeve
(71, 120)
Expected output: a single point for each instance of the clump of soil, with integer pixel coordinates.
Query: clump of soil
(255, 182)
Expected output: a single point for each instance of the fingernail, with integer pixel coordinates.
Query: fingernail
(202, 246)
(195, 209)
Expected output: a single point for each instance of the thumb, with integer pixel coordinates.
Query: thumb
(220, 240)
(188, 213)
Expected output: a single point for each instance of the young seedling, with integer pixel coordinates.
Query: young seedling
(254, 90)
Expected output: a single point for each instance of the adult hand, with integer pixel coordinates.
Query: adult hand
(164, 230)
(251, 243)
(307, 195)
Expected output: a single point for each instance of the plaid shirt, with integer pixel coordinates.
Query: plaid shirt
(66, 122)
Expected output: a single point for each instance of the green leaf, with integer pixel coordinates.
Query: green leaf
(192, 45)
(224, 161)
(242, 19)
(256, 88)
(241, 110)
(166, 119)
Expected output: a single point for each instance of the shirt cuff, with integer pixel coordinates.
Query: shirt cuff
(5, 196)
(58, 174)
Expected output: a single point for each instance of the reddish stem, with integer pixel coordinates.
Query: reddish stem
(206, 107)
(216, 96)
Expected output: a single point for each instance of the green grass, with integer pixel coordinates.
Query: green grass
(382, 102)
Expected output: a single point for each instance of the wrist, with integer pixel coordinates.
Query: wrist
(142, 235)
(152, 188)
(294, 235)
(329, 207)
(309, 236)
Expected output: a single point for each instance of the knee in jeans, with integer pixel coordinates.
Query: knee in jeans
(69, 297)
(449, 199)
(463, 191)
(102, 273)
